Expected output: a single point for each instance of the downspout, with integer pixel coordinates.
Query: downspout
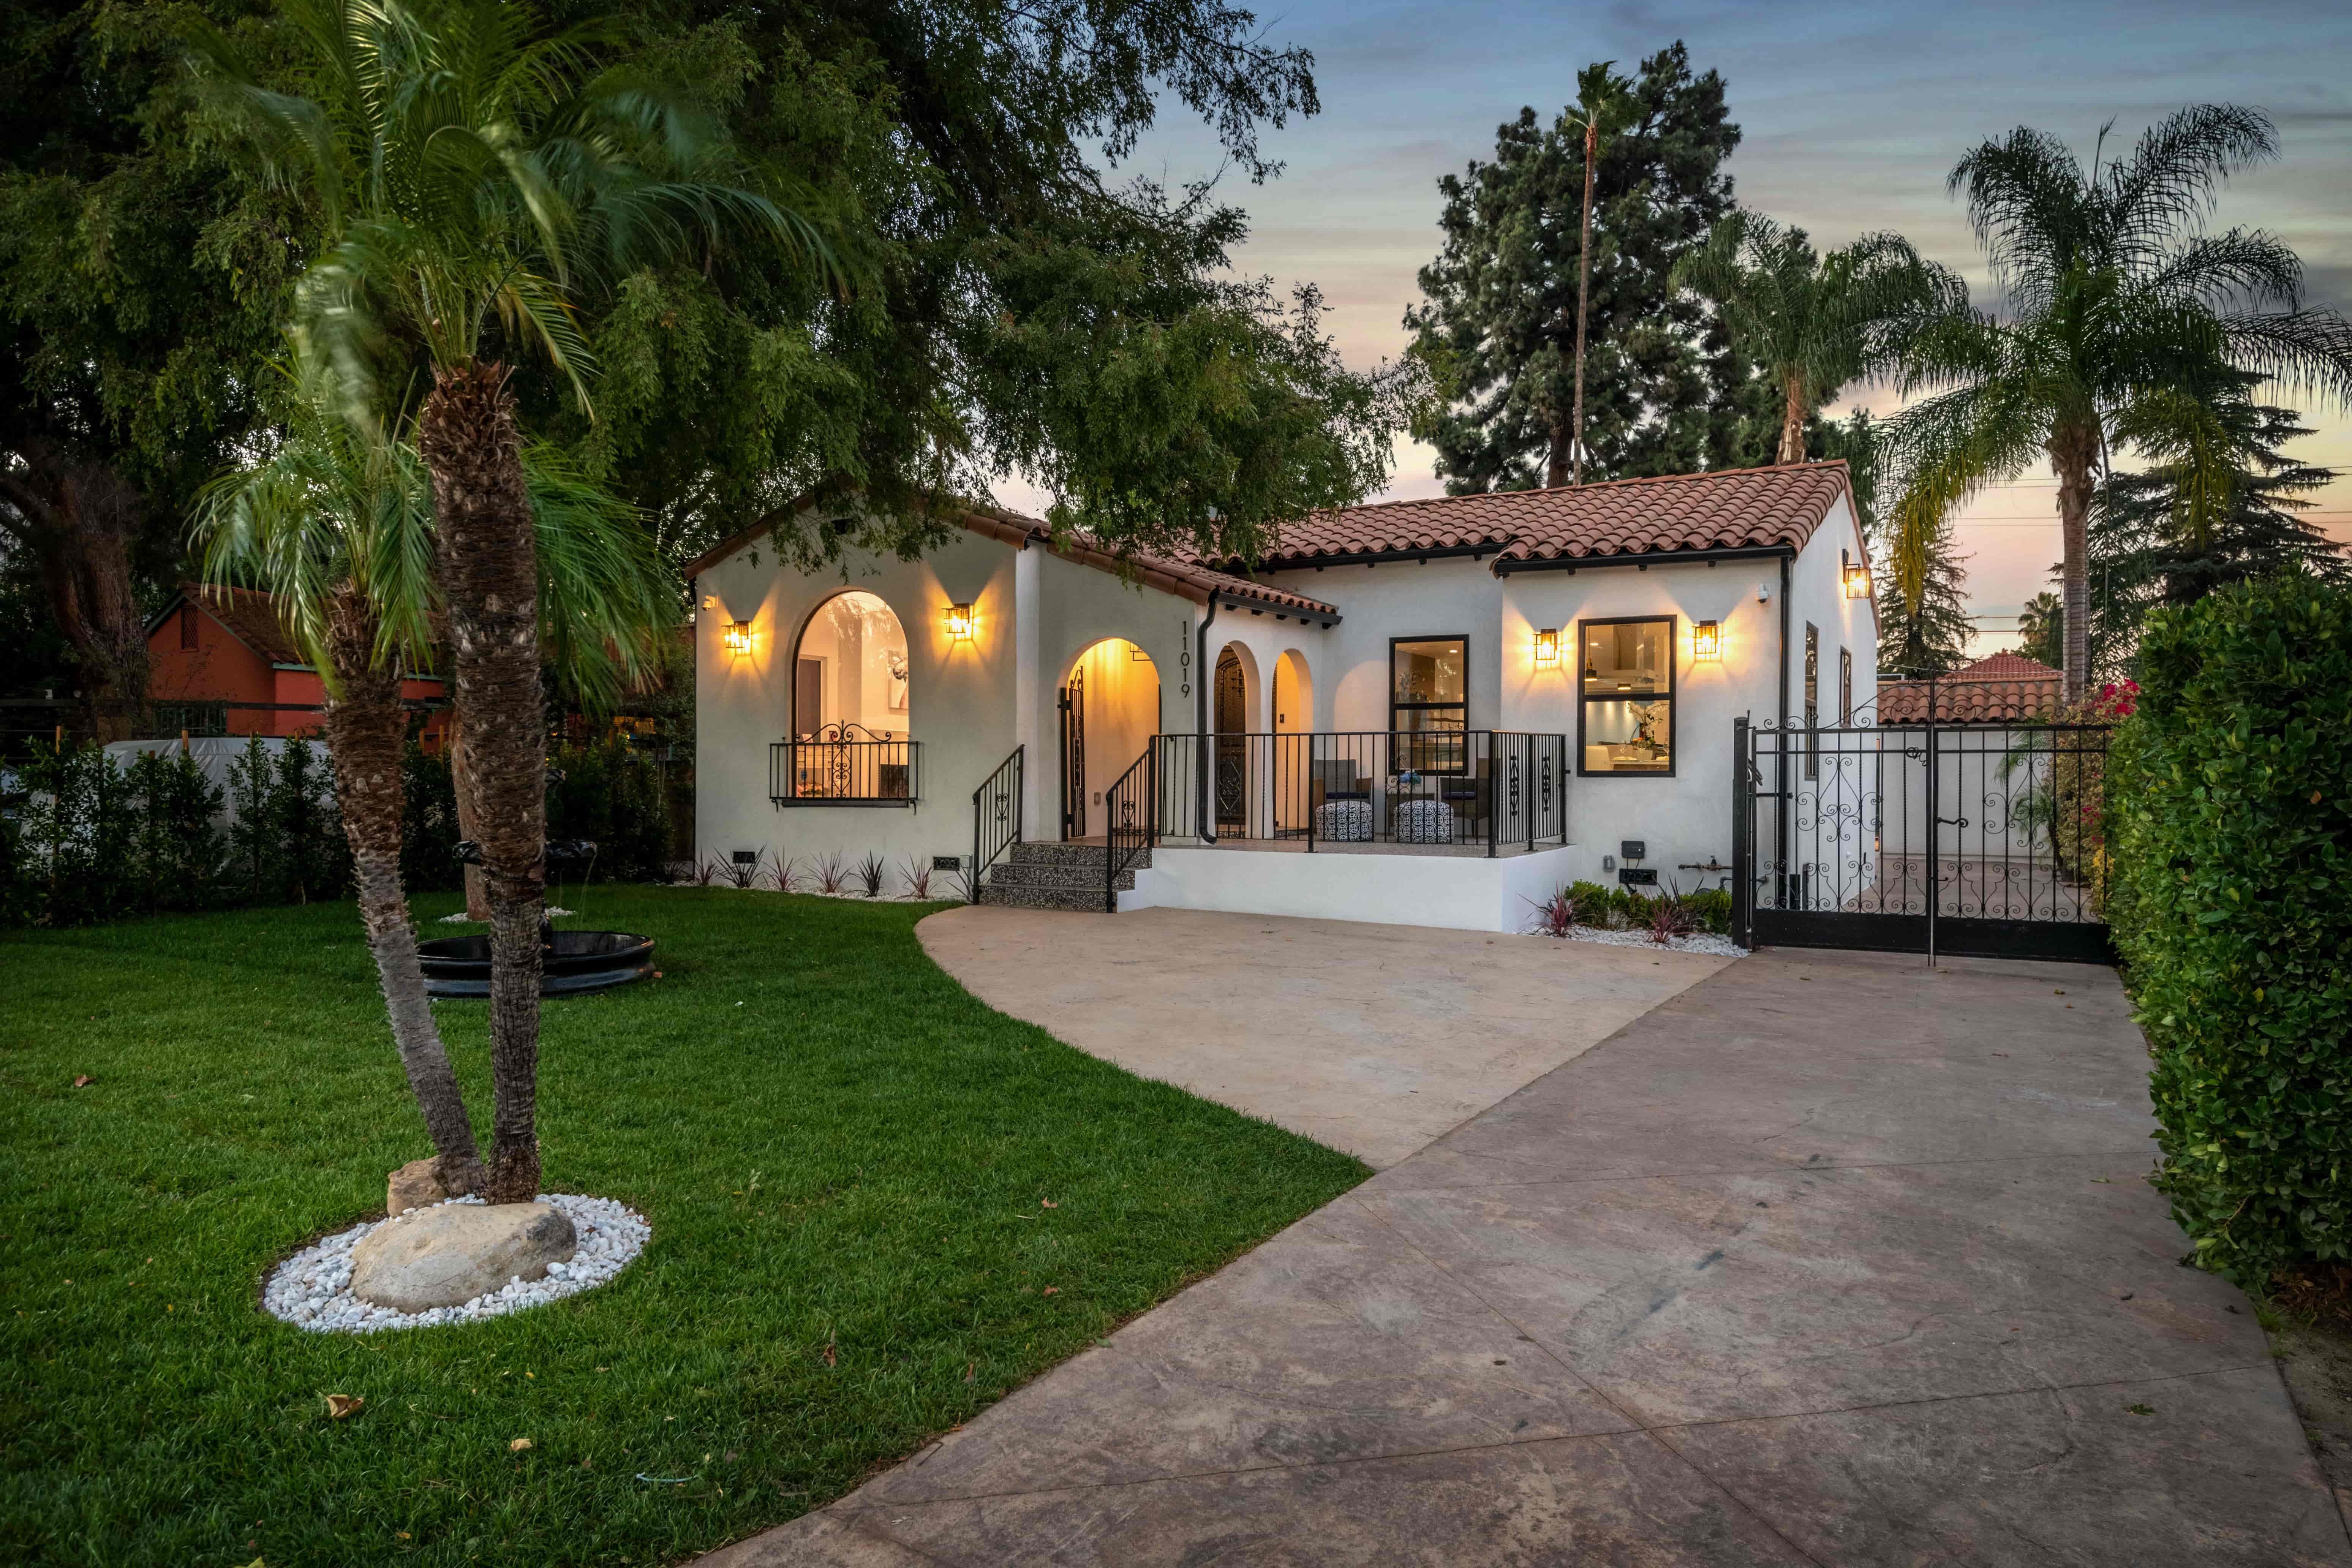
(1781, 767)
(1202, 828)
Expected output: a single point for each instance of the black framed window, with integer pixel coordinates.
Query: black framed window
(1429, 696)
(1845, 686)
(1625, 718)
(1812, 698)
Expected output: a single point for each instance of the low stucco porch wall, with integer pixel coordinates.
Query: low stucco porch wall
(1384, 885)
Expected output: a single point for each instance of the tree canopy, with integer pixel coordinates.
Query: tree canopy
(1665, 391)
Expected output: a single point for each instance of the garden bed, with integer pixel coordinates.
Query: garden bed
(844, 1158)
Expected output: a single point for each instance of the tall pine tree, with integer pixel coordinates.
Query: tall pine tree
(1664, 390)
(2150, 546)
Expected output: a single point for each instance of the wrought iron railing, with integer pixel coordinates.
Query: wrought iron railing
(1131, 821)
(844, 765)
(995, 819)
(1491, 789)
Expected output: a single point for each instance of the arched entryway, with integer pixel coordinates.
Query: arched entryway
(1110, 710)
(1232, 704)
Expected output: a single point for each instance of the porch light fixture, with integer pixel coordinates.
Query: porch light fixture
(1857, 577)
(959, 621)
(738, 637)
(1706, 642)
(1547, 648)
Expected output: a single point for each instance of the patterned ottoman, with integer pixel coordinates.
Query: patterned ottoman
(1344, 821)
(1424, 822)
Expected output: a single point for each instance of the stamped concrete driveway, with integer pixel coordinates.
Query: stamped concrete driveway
(1370, 1038)
(1826, 1261)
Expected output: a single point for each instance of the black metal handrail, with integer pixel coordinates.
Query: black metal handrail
(1131, 821)
(1487, 788)
(995, 817)
(843, 764)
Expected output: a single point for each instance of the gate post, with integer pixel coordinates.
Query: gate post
(1743, 839)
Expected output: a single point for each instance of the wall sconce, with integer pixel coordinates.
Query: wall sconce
(960, 620)
(1857, 577)
(1547, 648)
(738, 637)
(1706, 642)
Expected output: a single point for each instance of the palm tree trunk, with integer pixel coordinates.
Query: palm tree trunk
(2073, 448)
(364, 729)
(461, 780)
(1583, 303)
(466, 434)
(1793, 419)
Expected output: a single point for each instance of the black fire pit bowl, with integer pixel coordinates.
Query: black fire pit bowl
(576, 962)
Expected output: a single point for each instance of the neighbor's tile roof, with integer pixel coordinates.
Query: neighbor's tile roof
(2000, 689)
(251, 617)
(1729, 510)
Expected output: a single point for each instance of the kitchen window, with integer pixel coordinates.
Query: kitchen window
(1625, 719)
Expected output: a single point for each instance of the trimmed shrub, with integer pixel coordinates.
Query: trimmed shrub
(2231, 821)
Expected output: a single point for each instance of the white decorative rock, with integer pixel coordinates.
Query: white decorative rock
(447, 1256)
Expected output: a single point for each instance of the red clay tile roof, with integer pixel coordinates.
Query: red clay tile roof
(250, 615)
(1187, 579)
(1731, 508)
(2001, 688)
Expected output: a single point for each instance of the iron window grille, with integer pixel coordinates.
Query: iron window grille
(844, 765)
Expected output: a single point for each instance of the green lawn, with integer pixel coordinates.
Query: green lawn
(845, 1159)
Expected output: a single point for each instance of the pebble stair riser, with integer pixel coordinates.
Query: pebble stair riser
(1053, 876)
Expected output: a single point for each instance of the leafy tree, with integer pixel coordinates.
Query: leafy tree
(476, 173)
(1811, 323)
(2121, 317)
(1666, 391)
(1922, 619)
(138, 283)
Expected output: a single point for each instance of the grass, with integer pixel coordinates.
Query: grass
(846, 1160)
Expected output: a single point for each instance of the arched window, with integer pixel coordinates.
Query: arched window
(850, 668)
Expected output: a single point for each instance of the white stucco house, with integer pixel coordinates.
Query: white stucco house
(1424, 712)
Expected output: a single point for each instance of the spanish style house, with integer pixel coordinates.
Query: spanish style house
(1422, 712)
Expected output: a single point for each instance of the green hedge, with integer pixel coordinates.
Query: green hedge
(2232, 908)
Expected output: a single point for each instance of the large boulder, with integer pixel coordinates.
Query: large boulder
(446, 1256)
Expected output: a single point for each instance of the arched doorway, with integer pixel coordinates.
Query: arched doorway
(1110, 710)
(1232, 698)
(1294, 695)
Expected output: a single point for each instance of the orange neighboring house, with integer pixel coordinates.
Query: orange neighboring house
(220, 657)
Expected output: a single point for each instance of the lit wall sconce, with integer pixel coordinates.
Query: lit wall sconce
(959, 621)
(738, 637)
(1857, 577)
(1547, 647)
(1706, 642)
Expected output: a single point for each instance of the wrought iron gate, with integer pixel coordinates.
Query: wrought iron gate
(1975, 841)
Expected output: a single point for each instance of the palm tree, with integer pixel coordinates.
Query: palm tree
(2123, 320)
(1600, 96)
(336, 524)
(2041, 628)
(1813, 322)
(474, 171)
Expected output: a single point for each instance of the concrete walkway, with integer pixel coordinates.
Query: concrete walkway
(1370, 1038)
(1825, 1260)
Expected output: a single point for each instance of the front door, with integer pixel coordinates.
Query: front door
(1074, 755)
(1232, 746)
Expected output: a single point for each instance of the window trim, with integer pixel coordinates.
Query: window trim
(1673, 680)
(1396, 707)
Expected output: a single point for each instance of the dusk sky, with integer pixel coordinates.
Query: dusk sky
(1852, 116)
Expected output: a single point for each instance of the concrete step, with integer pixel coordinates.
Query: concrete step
(1055, 853)
(1055, 874)
(1084, 900)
